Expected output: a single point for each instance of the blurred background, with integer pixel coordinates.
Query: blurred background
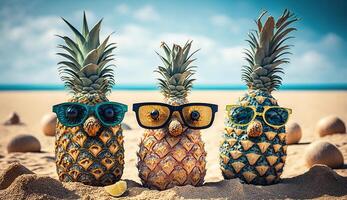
(219, 28)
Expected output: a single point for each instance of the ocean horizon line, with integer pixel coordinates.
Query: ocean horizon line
(52, 87)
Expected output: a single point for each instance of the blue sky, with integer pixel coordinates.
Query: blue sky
(218, 28)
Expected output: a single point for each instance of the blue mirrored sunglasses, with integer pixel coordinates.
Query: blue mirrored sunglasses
(74, 114)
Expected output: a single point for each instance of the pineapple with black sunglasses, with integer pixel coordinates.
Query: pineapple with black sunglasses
(89, 141)
(254, 148)
(171, 152)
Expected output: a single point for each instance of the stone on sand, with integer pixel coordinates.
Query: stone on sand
(48, 123)
(13, 119)
(325, 153)
(294, 133)
(24, 143)
(330, 125)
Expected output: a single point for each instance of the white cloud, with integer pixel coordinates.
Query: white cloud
(133, 37)
(220, 20)
(312, 58)
(34, 43)
(122, 9)
(146, 13)
(233, 54)
(136, 55)
(223, 21)
(28, 49)
(331, 40)
(311, 63)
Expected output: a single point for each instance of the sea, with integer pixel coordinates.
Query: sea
(43, 87)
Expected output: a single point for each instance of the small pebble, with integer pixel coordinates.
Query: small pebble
(321, 152)
(294, 133)
(24, 143)
(330, 125)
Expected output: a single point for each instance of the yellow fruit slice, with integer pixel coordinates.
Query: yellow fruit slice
(116, 189)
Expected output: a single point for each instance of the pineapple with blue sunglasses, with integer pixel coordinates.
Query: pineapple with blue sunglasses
(89, 140)
(254, 148)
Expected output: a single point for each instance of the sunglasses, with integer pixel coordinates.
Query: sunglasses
(74, 114)
(152, 115)
(274, 116)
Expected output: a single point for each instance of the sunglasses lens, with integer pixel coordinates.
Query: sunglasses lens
(153, 116)
(110, 114)
(276, 116)
(71, 114)
(241, 115)
(197, 116)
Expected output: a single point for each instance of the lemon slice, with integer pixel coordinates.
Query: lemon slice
(116, 189)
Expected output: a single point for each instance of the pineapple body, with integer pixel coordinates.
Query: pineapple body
(165, 161)
(256, 152)
(97, 160)
(90, 153)
(173, 155)
(254, 160)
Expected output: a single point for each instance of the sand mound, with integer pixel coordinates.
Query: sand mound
(319, 181)
(18, 182)
(32, 186)
(8, 175)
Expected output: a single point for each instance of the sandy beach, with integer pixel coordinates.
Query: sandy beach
(298, 180)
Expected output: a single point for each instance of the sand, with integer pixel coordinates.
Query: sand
(298, 181)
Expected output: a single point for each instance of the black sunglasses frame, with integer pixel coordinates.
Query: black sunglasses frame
(136, 107)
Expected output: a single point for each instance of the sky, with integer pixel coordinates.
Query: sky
(218, 28)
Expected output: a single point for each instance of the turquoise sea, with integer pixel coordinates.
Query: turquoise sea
(42, 87)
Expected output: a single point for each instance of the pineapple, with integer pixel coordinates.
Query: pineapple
(256, 153)
(89, 153)
(173, 155)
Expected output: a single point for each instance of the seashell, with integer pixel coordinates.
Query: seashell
(330, 125)
(294, 133)
(48, 123)
(13, 119)
(325, 153)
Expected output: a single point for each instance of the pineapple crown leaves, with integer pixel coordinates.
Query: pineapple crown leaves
(267, 52)
(86, 68)
(176, 71)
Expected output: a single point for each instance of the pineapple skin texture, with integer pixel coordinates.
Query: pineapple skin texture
(165, 161)
(97, 160)
(254, 160)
